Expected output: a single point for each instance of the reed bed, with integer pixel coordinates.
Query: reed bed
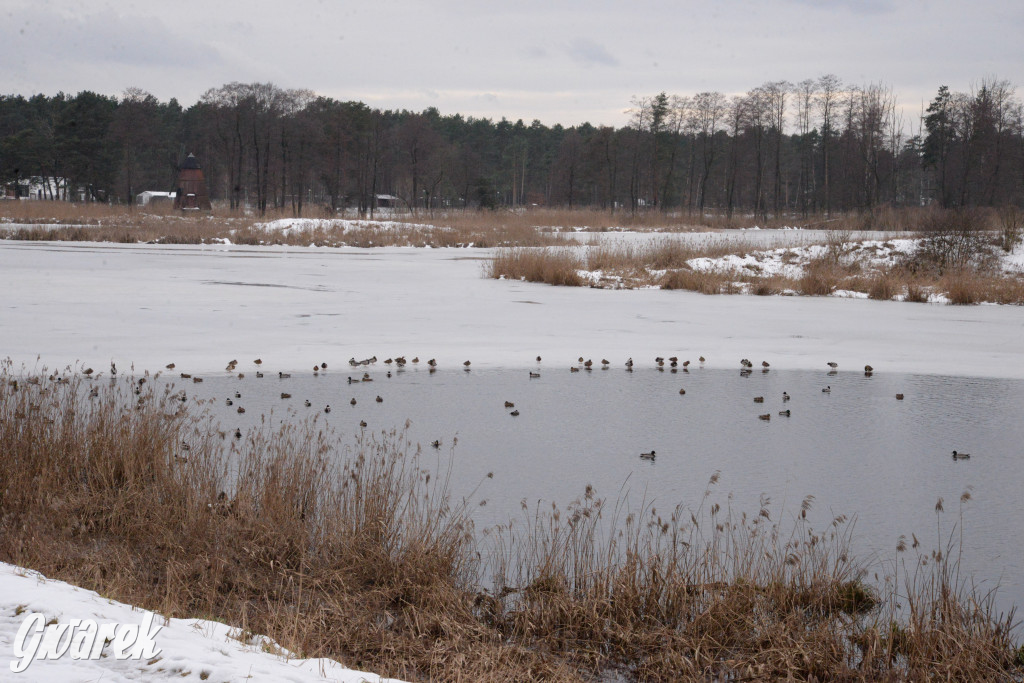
(354, 548)
(667, 263)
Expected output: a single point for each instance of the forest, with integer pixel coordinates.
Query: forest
(816, 147)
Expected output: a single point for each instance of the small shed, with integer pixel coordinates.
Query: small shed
(191, 194)
(153, 198)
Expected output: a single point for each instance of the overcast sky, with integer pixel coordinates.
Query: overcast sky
(553, 60)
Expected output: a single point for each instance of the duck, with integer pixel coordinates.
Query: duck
(307, 403)
(197, 380)
(323, 366)
(170, 366)
(510, 404)
(682, 392)
(380, 400)
(241, 375)
(538, 359)
(832, 364)
(229, 402)
(534, 375)
(605, 363)
(759, 399)
(766, 417)
(388, 361)
(466, 364)
(648, 456)
(899, 397)
(259, 375)
(258, 361)
(686, 363)
(353, 401)
(316, 369)
(241, 410)
(868, 368)
(238, 433)
(415, 359)
(283, 375)
(702, 359)
(432, 363)
(185, 375)
(284, 395)
(362, 423)
(674, 359)
(589, 364)
(573, 368)
(765, 364)
(436, 443)
(827, 390)
(514, 413)
(961, 456)
(629, 363)
(785, 396)
(784, 413)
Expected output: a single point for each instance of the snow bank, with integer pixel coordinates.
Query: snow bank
(293, 225)
(192, 649)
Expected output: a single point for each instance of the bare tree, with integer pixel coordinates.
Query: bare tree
(829, 88)
(708, 110)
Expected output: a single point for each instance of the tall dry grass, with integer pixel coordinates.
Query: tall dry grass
(356, 550)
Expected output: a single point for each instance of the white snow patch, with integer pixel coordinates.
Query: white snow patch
(192, 649)
(291, 225)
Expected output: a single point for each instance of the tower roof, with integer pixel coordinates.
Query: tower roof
(190, 162)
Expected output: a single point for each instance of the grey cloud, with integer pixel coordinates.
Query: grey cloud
(589, 53)
(103, 38)
(856, 6)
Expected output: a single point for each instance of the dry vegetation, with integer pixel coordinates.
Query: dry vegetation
(66, 221)
(957, 257)
(359, 553)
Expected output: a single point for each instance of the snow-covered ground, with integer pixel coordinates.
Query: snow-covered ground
(201, 306)
(191, 649)
(296, 225)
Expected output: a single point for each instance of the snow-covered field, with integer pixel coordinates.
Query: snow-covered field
(201, 306)
(298, 225)
(192, 649)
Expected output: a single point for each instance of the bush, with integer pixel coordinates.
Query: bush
(882, 287)
(820, 278)
(954, 241)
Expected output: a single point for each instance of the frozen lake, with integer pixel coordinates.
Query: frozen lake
(856, 449)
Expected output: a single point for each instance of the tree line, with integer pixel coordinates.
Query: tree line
(818, 146)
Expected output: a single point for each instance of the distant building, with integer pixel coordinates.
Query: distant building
(151, 198)
(388, 201)
(191, 194)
